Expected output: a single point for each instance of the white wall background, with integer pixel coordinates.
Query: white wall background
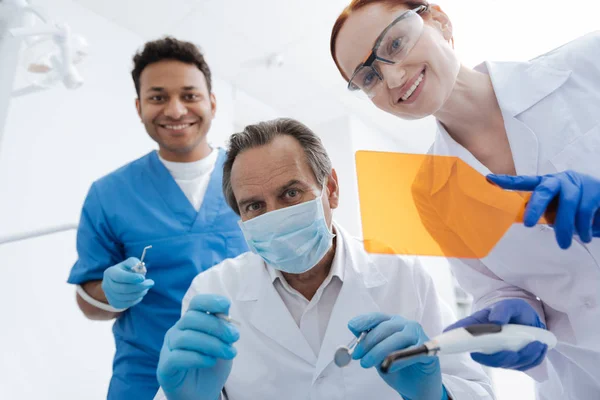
(57, 142)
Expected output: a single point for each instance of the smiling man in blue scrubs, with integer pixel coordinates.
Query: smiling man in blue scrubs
(170, 199)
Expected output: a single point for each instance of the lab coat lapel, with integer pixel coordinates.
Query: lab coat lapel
(271, 317)
(524, 145)
(214, 200)
(520, 85)
(170, 192)
(515, 98)
(360, 274)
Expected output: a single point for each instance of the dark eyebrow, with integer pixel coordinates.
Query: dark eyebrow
(290, 184)
(156, 89)
(162, 89)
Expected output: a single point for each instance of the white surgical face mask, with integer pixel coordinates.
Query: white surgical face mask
(293, 239)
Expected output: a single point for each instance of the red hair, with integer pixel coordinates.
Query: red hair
(357, 5)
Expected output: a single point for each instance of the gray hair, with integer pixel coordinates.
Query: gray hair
(263, 133)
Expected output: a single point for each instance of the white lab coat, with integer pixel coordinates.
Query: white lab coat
(275, 361)
(551, 110)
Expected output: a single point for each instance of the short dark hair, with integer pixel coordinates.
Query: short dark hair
(263, 133)
(169, 48)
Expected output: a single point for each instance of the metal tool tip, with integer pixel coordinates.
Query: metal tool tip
(385, 365)
(342, 357)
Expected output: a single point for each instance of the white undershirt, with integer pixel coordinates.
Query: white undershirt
(313, 316)
(192, 177)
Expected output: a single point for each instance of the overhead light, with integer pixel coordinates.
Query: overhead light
(52, 57)
(51, 52)
(275, 60)
(270, 60)
(51, 49)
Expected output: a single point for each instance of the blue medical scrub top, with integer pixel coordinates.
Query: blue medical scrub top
(140, 205)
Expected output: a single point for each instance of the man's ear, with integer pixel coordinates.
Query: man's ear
(213, 104)
(333, 189)
(138, 107)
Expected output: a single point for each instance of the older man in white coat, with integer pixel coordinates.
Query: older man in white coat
(305, 289)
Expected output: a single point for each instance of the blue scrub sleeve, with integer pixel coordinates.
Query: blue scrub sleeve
(97, 246)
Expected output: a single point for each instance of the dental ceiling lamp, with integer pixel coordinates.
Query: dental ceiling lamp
(50, 56)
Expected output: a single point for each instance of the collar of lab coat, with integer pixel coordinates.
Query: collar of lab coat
(349, 258)
(269, 314)
(518, 86)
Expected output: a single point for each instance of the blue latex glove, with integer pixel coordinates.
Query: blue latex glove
(511, 311)
(124, 288)
(197, 353)
(418, 378)
(578, 201)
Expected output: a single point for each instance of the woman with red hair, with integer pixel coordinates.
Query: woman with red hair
(536, 119)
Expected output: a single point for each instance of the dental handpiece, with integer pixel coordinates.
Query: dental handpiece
(482, 338)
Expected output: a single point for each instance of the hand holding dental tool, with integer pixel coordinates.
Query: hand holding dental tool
(125, 284)
(419, 377)
(197, 353)
(481, 338)
(508, 311)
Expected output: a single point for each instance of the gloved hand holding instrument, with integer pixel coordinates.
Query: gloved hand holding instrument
(197, 353)
(490, 337)
(125, 283)
(417, 378)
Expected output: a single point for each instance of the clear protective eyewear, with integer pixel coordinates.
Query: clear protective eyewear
(391, 47)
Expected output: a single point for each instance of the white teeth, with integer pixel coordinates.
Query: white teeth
(415, 85)
(177, 127)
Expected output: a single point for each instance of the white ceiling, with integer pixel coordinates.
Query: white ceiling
(238, 36)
